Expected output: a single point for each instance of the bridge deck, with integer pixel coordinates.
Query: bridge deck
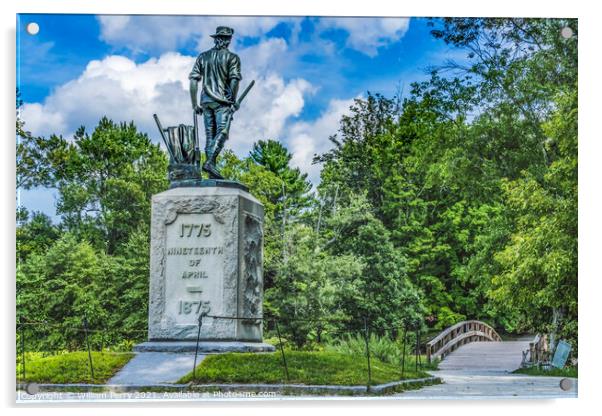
(502, 356)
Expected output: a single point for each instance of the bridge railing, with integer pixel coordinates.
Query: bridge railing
(458, 335)
(538, 351)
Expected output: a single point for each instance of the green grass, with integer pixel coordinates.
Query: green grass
(383, 348)
(410, 362)
(304, 367)
(553, 372)
(70, 367)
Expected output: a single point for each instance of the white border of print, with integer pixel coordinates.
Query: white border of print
(589, 172)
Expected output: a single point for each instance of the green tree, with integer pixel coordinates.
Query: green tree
(307, 287)
(382, 293)
(72, 280)
(283, 190)
(295, 194)
(349, 166)
(521, 79)
(538, 273)
(60, 286)
(436, 167)
(35, 235)
(105, 180)
(125, 291)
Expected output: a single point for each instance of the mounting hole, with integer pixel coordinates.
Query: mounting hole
(566, 32)
(566, 384)
(32, 28)
(32, 388)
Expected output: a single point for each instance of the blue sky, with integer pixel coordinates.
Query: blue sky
(308, 70)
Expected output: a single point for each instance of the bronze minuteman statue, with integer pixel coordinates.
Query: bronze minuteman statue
(218, 72)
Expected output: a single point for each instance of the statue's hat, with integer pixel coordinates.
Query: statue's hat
(223, 31)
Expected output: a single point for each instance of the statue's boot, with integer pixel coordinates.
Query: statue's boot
(218, 148)
(212, 171)
(209, 166)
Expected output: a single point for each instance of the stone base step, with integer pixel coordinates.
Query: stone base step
(205, 347)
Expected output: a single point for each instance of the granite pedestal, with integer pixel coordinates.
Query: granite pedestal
(206, 260)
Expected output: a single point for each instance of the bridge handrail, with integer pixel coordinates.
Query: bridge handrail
(457, 335)
(537, 352)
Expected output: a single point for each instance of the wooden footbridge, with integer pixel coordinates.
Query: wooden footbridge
(475, 346)
(477, 363)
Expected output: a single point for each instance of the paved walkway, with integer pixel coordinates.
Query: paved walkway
(150, 368)
(491, 385)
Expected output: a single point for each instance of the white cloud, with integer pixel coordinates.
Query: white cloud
(124, 90)
(305, 139)
(265, 56)
(42, 121)
(165, 33)
(118, 88)
(367, 34)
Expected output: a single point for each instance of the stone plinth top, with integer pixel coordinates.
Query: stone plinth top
(204, 347)
(217, 190)
(207, 183)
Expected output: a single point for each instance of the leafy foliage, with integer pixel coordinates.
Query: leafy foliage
(382, 293)
(473, 175)
(308, 287)
(35, 235)
(385, 349)
(72, 281)
(275, 158)
(538, 275)
(552, 372)
(105, 180)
